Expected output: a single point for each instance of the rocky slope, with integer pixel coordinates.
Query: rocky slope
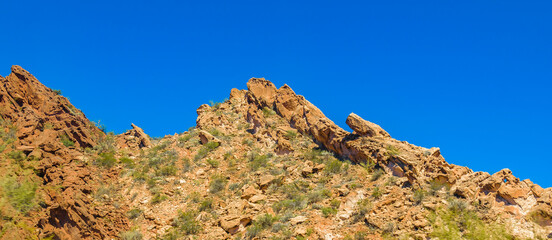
(264, 164)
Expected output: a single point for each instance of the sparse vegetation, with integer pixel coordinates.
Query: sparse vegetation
(218, 183)
(20, 194)
(457, 222)
(66, 141)
(377, 174)
(328, 211)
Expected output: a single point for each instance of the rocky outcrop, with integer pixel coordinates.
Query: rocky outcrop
(365, 128)
(370, 143)
(54, 133)
(134, 138)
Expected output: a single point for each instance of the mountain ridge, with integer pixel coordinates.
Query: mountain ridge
(277, 131)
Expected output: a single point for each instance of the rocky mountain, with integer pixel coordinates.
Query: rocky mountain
(264, 164)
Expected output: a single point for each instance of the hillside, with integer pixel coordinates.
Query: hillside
(264, 164)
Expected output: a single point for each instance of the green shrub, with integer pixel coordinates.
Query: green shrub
(362, 208)
(18, 156)
(214, 163)
(376, 193)
(186, 224)
(257, 161)
(290, 135)
(57, 91)
(335, 203)
(328, 211)
(419, 195)
(218, 183)
(21, 195)
(106, 159)
(392, 151)
(66, 141)
(186, 165)
(261, 223)
(134, 213)
(206, 204)
(131, 235)
(128, 162)
(206, 149)
(106, 143)
(267, 112)
(169, 170)
(215, 132)
(458, 223)
(158, 197)
(333, 167)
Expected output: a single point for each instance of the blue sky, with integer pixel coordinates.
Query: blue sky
(470, 77)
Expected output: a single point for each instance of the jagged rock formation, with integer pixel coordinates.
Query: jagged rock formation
(51, 135)
(134, 138)
(264, 164)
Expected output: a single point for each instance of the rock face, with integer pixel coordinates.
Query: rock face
(54, 133)
(420, 166)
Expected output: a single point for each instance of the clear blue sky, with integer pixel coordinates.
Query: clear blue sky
(470, 77)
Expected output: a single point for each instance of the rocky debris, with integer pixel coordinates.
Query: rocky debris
(232, 223)
(134, 138)
(365, 128)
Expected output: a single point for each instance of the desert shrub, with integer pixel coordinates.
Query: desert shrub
(318, 195)
(297, 202)
(185, 223)
(206, 204)
(290, 135)
(186, 165)
(389, 228)
(457, 205)
(106, 143)
(18, 156)
(392, 151)
(106, 159)
(158, 197)
(368, 166)
(360, 236)
(459, 223)
(257, 161)
(134, 213)
(278, 227)
(376, 193)
(378, 173)
(218, 183)
(57, 91)
(261, 223)
(131, 235)
(169, 170)
(235, 186)
(435, 186)
(362, 208)
(333, 167)
(21, 195)
(128, 162)
(328, 211)
(335, 203)
(66, 141)
(206, 149)
(419, 195)
(267, 112)
(215, 132)
(214, 163)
